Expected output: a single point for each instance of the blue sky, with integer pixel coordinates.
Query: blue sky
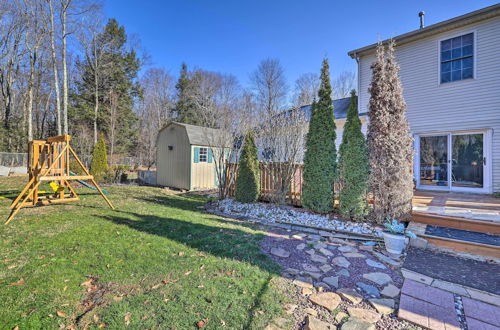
(233, 36)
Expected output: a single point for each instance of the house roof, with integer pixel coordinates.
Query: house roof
(199, 135)
(456, 22)
(340, 107)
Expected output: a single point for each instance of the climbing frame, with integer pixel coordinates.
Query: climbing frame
(48, 160)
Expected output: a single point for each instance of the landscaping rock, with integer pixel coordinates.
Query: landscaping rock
(301, 246)
(345, 249)
(341, 262)
(314, 275)
(325, 268)
(366, 248)
(364, 314)
(318, 258)
(328, 300)
(313, 323)
(371, 290)
(332, 281)
(351, 295)
(390, 291)
(321, 286)
(325, 252)
(343, 272)
(355, 324)
(307, 291)
(310, 268)
(383, 305)
(291, 271)
(290, 308)
(375, 264)
(279, 252)
(386, 259)
(318, 246)
(311, 311)
(379, 278)
(304, 282)
(297, 236)
(314, 237)
(354, 255)
(311, 252)
(340, 316)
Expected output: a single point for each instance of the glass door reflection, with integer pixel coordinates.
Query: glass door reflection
(467, 160)
(434, 160)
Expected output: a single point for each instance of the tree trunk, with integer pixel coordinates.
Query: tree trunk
(96, 92)
(65, 68)
(55, 70)
(30, 96)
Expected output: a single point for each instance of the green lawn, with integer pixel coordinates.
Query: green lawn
(158, 261)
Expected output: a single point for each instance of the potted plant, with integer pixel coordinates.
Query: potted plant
(395, 236)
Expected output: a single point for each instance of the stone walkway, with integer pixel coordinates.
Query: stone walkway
(437, 309)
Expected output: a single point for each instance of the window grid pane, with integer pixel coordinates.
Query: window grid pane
(457, 58)
(203, 155)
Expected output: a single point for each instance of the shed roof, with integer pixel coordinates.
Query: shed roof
(198, 135)
(456, 22)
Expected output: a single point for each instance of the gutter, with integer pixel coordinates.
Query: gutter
(453, 23)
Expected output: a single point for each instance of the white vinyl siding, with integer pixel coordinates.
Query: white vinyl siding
(471, 104)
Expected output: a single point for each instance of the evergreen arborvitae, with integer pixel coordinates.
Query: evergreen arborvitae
(353, 166)
(248, 179)
(99, 165)
(321, 154)
(389, 141)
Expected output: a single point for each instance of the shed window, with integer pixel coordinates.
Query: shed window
(457, 58)
(203, 155)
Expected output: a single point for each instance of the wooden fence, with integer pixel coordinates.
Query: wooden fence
(270, 178)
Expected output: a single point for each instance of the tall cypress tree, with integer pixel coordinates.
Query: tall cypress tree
(248, 179)
(186, 108)
(321, 154)
(389, 141)
(353, 166)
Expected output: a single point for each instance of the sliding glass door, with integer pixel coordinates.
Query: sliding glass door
(452, 161)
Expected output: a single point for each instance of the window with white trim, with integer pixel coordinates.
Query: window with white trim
(203, 155)
(457, 58)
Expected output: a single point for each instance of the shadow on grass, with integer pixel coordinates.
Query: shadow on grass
(222, 242)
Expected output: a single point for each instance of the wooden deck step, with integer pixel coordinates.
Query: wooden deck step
(475, 243)
(480, 226)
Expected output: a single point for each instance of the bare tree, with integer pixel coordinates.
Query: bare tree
(269, 85)
(343, 84)
(306, 89)
(280, 139)
(154, 110)
(64, 37)
(225, 118)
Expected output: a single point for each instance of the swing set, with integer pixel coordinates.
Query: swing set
(48, 160)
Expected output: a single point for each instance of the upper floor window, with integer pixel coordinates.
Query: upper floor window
(457, 58)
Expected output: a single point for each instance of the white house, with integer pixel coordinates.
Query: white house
(450, 72)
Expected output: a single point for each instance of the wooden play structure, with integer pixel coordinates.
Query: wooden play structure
(49, 160)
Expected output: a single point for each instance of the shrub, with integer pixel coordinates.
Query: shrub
(389, 141)
(99, 165)
(353, 166)
(248, 179)
(321, 154)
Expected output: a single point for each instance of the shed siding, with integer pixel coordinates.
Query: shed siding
(456, 106)
(202, 174)
(173, 166)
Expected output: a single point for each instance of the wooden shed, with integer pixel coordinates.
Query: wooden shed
(184, 157)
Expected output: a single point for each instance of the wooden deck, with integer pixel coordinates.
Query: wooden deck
(472, 212)
(457, 201)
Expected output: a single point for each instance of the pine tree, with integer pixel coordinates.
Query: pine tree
(99, 165)
(186, 108)
(353, 166)
(248, 179)
(321, 154)
(389, 141)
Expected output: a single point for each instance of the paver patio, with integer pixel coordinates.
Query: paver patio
(434, 308)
